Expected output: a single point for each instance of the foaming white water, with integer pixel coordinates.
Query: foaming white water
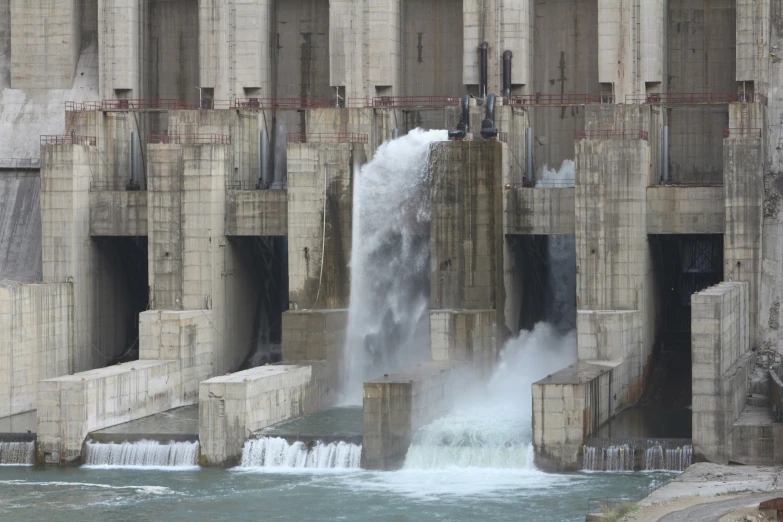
(143, 454)
(563, 177)
(491, 427)
(276, 452)
(17, 453)
(387, 317)
(153, 490)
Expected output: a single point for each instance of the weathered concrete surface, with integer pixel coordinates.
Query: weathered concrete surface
(320, 203)
(568, 407)
(70, 407)
(397, 405)
(232, 407)
(466, 237)
(721, 363)
(256, 213)
(20, 225)
(683, 209)
(462, 335)
(35, 340)
(544, 211)
(118, 213)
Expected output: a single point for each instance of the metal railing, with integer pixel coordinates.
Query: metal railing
(406, 102)
(608, 134)
(244, 185)
(559, 100)
(741, 132)
(283, 103)
(147, 103)
(503, 136)
(20, 163)
(695, 98)
(67, 140)
(196, 139)
(347, 137)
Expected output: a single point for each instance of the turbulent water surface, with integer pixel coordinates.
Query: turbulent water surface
(78, 494)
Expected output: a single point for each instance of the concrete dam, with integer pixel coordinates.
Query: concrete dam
(391, 235)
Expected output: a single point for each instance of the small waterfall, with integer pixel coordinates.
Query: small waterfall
(609, 458)
(144, 453)
(276, 452)
(17, 453)
(658, 457)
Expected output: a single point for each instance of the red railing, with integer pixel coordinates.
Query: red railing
(741, 131)
(600, 134)
(196, 139)
(148, 103)
(559, 99)
(82, 106)
(347, 137)
(67, 140)
(404, 102)
(502, 136)
(283, 103)
(695, 98)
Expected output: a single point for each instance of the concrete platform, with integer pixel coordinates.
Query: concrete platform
(330, 425)
(179, 425)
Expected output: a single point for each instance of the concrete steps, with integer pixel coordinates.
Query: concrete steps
(758, 400)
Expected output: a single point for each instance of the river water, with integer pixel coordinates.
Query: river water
(77, 494)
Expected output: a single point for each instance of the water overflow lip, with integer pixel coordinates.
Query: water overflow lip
(143, 454)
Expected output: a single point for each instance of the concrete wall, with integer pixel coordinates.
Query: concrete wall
(120, 47)
(301, 49)
(685, 210)
(545, 211)
(722, 362)
(35, 341)
(744, 197)
(234, 406)
(186, 337)
(568, 406)
(118, 213)
(70, 407)
(397, 405)
(320, 203)
(565, 60)
(432, 40)
(256, 213)
(20, 225)
(45, 43)
(469, 336)
(466, 238)
(172, 50)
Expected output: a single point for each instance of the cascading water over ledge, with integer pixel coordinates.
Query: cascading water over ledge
(17, 453)
(143, 454)
(276, 452)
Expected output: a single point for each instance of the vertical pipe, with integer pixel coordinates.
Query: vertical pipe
(665, 151)
(264, 159)
(134, 181)
(483, 50)
(395, 133)
(507, 55)
(529, 156)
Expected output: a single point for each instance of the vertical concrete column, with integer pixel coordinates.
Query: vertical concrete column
(631, 44)
(320, 206)
(611, 232)
(466, 238)
(119, 27)
(67, 252)
(753, 40)
(45, 43)
(384, 53)
(164, 225)
(506, 26)
(721, 361)
(743, 185)
(235, 48)
(346, 47)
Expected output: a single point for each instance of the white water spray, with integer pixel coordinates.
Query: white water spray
(16, 453)
(387, 318)
(491, 427)
(143, 454)
(563, 177)
(276, 452)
